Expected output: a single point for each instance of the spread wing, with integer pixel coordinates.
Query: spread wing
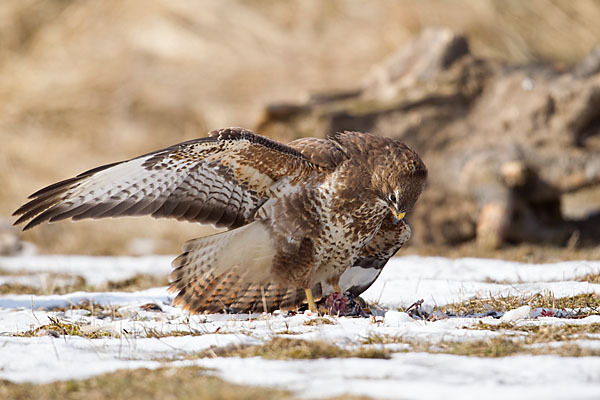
(221, 179)
(374, 256)
(320, 151)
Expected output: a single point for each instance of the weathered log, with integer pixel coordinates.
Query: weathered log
(504, 144)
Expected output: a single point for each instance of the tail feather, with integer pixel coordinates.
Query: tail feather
(225, 293)
(231, 271)
(271, 296)
(249, 301)
(230, 297)
(228, 270)
(291, 298)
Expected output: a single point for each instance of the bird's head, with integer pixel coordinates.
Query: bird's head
(399, 178)
(392, 173)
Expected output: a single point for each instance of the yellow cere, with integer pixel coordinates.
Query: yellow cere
(398, 215)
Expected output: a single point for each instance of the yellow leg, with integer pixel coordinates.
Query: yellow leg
(311, 301)
(337, 288)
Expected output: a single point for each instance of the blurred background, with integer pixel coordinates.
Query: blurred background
(87, 83)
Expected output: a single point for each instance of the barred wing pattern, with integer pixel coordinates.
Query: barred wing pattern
(221, 179)
(265, 193)
(323, 152)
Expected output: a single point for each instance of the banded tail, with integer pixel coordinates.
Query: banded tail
(230, 271)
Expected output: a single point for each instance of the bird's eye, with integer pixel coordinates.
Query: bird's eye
(393, 198)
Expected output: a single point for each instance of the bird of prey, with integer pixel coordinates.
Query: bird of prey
(298, 215)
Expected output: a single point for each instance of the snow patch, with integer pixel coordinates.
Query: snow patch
(516, 314)
(138, 336)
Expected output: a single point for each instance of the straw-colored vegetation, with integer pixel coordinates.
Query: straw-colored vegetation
(185, 383)
(56, 328)
(86, 83)
(515, 339)
(162, 383)
(584, 304)
(65, 283)
(282, 348)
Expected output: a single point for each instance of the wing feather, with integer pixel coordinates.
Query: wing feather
(220, 179)
(320, 151)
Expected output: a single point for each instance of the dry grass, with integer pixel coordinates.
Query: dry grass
(87, 83)
(185, 383)
(535, 342)
(93, 310)
(516, 339)
(384, 339)
(497, 347)
(543, 333)
(503, 347)
(525, 252)
(53, 283)
(591, 278)
(60, 328)
(136, 283)
(319, 321)
(18, 288)
(162, 383)
(281, 348)
(64, 283)
(158, 334)
(585, 304)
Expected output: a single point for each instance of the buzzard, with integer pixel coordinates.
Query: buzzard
(297, 216)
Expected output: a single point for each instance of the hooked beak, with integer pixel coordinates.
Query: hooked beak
(398, 216)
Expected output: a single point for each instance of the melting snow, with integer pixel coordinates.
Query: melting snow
(139, 338)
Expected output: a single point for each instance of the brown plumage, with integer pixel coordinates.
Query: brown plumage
(390, 237)
(299, 215)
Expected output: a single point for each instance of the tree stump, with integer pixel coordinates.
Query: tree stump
(505, 145)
